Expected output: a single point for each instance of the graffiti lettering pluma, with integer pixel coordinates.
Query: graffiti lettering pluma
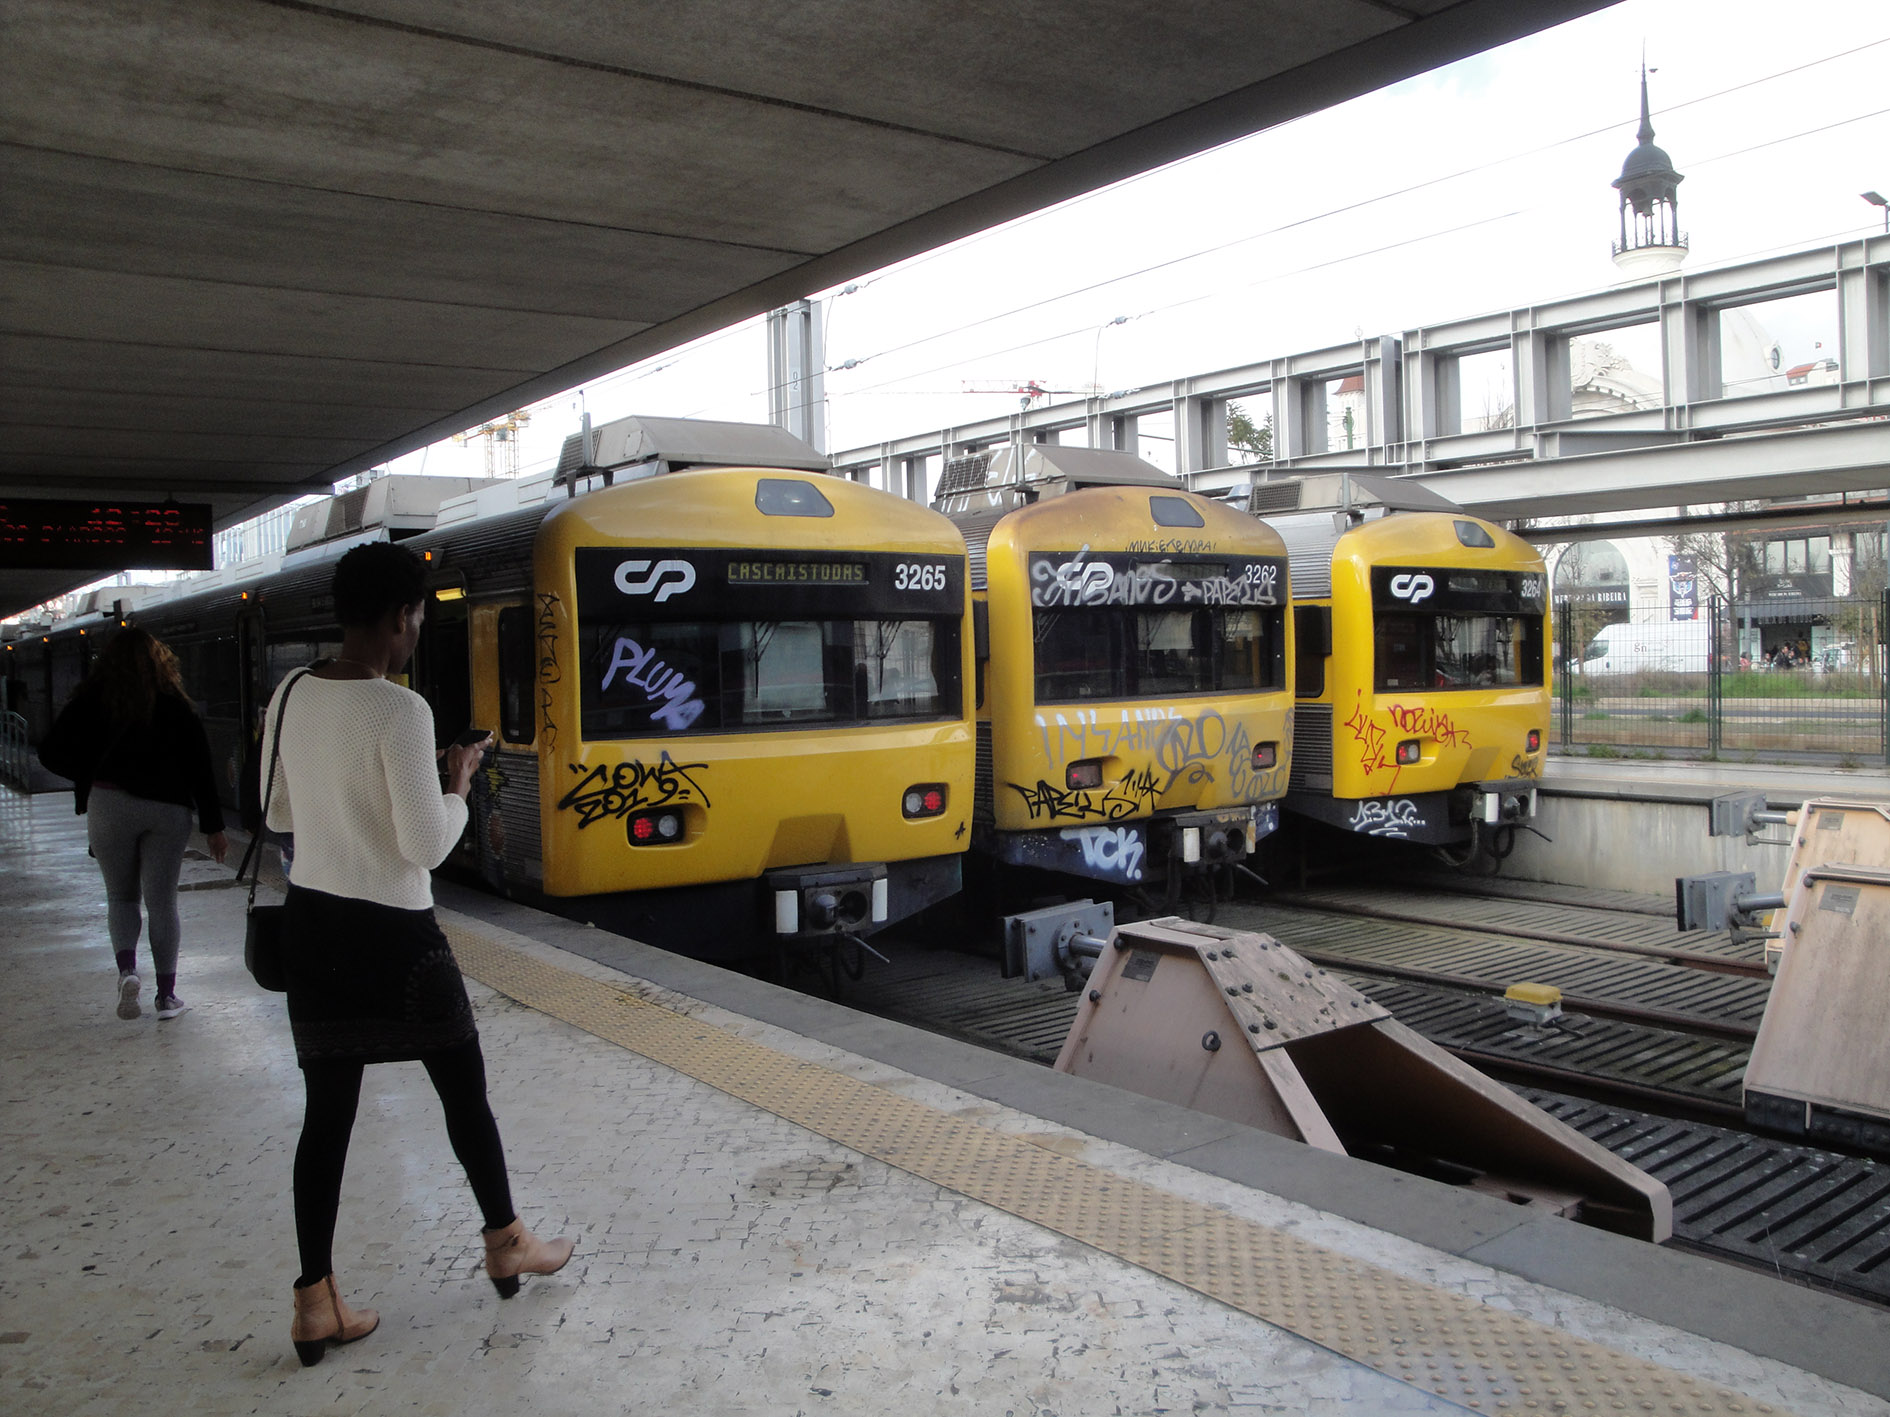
(672, 698)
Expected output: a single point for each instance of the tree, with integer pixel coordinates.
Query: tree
(1245, 436)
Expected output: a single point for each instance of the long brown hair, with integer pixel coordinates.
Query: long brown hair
(133, 670)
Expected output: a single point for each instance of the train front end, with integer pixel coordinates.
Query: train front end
(1137, 707)
(754, 721)
(1423, 679)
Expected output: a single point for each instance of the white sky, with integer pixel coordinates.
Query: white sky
(1477, 187)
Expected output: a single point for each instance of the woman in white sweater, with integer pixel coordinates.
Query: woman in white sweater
(371, 977)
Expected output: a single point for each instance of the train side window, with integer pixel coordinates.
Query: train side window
(1401, 652)
(518, 674)
(1312, 645)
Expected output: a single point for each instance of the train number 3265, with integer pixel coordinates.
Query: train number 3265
(911, 575)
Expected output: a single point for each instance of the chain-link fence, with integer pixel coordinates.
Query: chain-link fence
(1753, 682)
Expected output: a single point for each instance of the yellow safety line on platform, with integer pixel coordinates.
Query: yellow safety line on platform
(1438, 1340)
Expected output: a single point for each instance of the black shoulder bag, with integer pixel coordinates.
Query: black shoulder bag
(263, 933)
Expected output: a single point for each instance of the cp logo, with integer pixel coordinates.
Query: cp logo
(673, 578)
(1412, 588)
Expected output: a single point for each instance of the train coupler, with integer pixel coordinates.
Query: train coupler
(814, 903)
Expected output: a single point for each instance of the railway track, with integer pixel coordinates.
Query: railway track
(1656, 1020)
(1607, 962)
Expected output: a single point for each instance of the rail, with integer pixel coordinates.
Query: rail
(16, 754)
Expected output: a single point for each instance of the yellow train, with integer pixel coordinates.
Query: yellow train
(1134, 709)
(1421, 673)
(750, 679)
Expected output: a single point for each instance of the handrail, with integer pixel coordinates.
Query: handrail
(16, 754)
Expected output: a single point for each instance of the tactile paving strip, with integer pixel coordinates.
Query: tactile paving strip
(1435, 1339)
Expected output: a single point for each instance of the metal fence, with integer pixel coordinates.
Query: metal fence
(1748, 682)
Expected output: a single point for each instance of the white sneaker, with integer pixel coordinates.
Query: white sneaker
(170, 1006)
(128, 996)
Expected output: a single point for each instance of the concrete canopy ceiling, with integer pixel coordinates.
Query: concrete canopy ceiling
(250, 247)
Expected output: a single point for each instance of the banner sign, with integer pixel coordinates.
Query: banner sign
(1683, 588)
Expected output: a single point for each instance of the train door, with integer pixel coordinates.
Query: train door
(504, 673)
(252, 662)
(441, 673)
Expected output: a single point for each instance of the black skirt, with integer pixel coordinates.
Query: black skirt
(370, 983)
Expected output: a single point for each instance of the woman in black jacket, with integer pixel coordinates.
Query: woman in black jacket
(139, 762)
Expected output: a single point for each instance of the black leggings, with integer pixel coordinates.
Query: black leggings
(334, 1092)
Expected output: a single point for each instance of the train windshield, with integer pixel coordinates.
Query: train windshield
(649, 680)
(1457, 651)
(1133, 653)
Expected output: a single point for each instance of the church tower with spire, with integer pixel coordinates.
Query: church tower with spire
(1652, 243)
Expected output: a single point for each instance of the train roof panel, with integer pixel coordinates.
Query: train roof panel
(721, 507)
(678, 443)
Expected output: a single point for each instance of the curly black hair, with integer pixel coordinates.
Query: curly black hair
(373, 580)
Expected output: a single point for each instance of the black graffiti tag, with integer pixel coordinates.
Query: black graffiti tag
(548, 671)
(614, 791)
(1132, 794)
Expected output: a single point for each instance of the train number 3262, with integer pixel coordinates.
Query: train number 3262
(912, 575)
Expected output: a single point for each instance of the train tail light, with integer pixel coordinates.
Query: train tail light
(925, 799)
(1409, 752)
(1265, 756)
(1084, 774)
(655, 828)
(1535, 739)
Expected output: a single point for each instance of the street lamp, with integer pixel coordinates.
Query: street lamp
(1877, 199)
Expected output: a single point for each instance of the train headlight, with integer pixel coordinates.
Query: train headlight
(1535, 739)
(1409, 752)
(1085, 774)
(924, 799)
(1265, 756)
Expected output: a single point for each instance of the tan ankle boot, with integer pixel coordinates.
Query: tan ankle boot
(515, 1250)
(322, 1318)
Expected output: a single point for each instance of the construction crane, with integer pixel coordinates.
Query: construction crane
(500, 438)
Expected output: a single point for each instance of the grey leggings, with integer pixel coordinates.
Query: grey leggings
(140, 849)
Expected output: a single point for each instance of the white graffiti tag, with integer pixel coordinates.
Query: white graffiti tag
(1117, 850)
(1387, 816)
(673, 700)
(669, 578)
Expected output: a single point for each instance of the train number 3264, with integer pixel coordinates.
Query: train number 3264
(912, 575)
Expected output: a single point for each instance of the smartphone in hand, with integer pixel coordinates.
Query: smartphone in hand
(472, 737)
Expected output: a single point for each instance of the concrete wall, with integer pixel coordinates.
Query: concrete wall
(1635, 827)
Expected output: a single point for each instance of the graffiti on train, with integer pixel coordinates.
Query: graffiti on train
(1132, 795)
(612, 791)
(549, 674)
(1369, 735)
(1080, 581)
(1248, 783)
(672, 698)
(1387, 816)
(1525, 765)
(1423, 721)
(1188, 747)
(1110, 851)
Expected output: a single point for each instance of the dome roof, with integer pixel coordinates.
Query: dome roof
(1647, 161)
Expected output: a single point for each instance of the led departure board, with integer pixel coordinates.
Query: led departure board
(41, 535)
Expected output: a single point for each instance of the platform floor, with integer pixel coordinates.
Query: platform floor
(746, 1242)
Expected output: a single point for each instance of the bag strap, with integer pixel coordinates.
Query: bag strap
(269, 787)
